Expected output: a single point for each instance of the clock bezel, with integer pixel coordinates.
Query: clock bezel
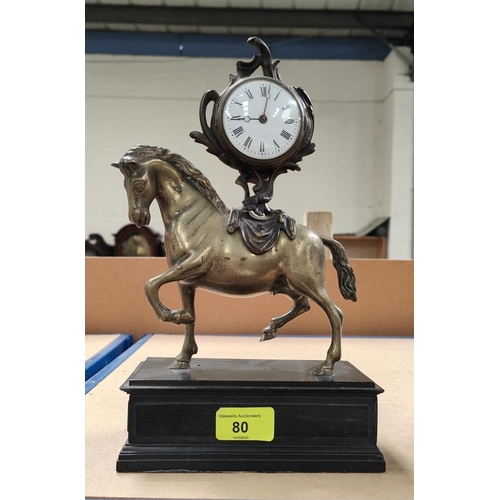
(218, 126)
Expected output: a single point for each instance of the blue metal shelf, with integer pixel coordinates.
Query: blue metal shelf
(107, 354)
(115, 363)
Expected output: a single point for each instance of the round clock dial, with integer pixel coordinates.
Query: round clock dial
(262, 119)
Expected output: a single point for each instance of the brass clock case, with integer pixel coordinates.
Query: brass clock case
(261, 172)
(302, 138)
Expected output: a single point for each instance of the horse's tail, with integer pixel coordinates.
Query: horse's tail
(347, 280)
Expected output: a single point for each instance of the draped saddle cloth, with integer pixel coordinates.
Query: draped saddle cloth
(261, 232)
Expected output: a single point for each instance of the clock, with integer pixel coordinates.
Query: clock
(260, 120)
(132, 241)
(259, 126)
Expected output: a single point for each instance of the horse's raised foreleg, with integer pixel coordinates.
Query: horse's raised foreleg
(300, 306)
(188, 268)
(189, 346)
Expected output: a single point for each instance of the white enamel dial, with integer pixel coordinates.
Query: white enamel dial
(262, 118)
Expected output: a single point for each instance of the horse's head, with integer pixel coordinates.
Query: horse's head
(137, 166)
(151, 172)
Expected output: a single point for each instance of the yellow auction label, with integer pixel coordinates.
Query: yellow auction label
(244, 424)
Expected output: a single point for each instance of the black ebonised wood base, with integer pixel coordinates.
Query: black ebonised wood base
(321, 424)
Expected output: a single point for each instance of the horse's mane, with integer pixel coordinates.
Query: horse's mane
(189, 171)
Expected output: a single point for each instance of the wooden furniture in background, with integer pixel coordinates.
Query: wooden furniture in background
(133, 241)
(95, 246)
(369, 243)
(321, 223)
(364, 247)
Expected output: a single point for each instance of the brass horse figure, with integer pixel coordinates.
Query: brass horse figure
(201, 252)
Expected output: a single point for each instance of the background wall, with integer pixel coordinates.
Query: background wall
(362, 168)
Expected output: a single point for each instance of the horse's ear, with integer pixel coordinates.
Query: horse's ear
(115, 164)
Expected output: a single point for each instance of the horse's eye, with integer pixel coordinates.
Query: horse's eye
(139, 186)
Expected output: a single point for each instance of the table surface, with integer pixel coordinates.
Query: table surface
(387, 361)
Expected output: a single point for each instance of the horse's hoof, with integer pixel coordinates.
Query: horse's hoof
(179, 365)
(268, 334)
(323, 370)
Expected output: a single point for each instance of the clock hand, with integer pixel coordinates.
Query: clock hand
(263, 117)
(245, 118)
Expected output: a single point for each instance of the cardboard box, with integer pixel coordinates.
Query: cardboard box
(115, 302)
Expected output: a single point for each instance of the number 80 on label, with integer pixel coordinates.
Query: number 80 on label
(244, 424)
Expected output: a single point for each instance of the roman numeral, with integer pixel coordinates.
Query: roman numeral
(239, 103)
(289, 121)
(276, 144)
(277, 95)
(237, 117)
(261, 147)
(265, 92)
(286, 107)
(248, 142)
(238, 131)
(285, 134)
(249, 94)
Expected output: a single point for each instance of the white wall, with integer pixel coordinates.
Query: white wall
(362, 167)
(394, 183)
